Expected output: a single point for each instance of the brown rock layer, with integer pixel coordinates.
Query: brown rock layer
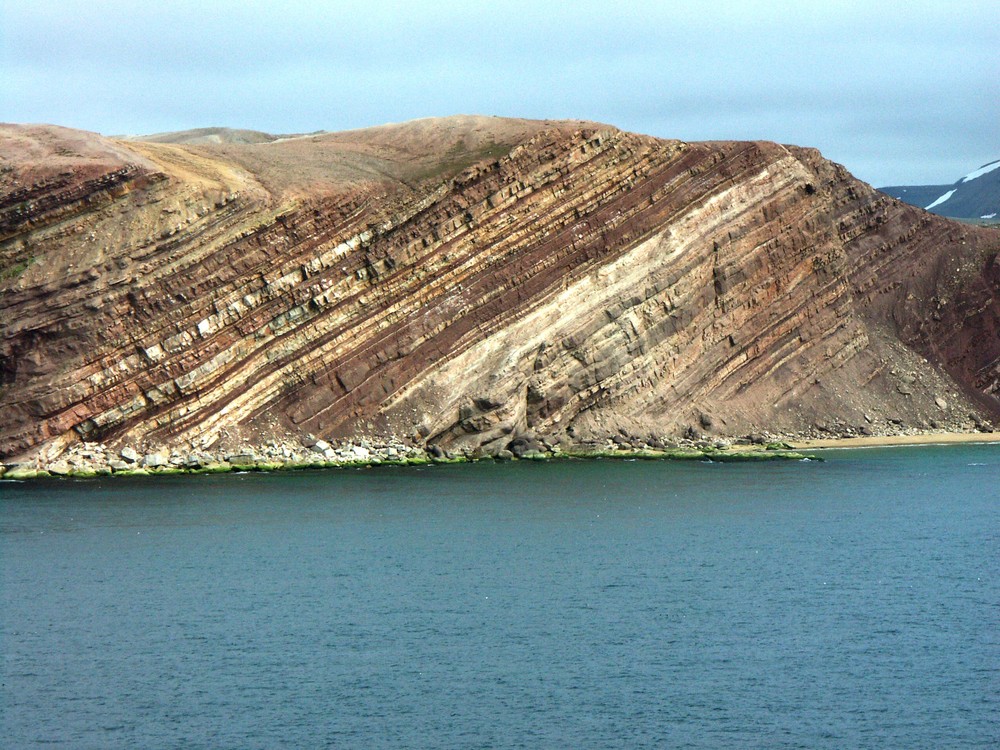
(467, 280)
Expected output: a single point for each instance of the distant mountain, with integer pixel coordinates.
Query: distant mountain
(975, 196)
(203, 136)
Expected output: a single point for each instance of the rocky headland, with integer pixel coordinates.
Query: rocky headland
(469, 287)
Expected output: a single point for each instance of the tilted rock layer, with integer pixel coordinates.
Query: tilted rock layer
(464, 281)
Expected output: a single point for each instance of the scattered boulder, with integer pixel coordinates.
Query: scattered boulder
(521, 446)
(155, 461)
(129, 454)
(60, 468)
(23, 471)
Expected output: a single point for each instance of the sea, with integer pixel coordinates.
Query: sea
(852, 602)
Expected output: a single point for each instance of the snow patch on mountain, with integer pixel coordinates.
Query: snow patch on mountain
(981, 171)
(940, 200)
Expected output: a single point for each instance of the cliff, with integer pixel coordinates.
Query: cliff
(468, 281)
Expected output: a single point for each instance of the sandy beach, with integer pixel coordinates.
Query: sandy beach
(876, 441)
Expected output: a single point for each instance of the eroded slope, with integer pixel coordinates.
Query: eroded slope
(467, 280)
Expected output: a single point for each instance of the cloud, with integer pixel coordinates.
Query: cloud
(873, 89)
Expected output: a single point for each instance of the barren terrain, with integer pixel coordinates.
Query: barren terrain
(472, 281)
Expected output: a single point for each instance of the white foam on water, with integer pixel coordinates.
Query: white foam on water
(989, 216)
(981, 171)
(940, 200)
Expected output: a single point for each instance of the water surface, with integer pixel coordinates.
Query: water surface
(849, 603)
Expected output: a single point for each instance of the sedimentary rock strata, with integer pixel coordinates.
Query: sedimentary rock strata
(466, 282)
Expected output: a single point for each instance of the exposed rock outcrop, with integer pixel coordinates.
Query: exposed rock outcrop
(477, 284)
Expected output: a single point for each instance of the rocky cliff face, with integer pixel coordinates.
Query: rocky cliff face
(467, 281)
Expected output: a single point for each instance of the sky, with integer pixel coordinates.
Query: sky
(900, 92)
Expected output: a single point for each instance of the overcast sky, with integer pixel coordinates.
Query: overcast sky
(899, 92)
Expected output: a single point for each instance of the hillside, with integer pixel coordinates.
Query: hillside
(467, 281)
(975, 196)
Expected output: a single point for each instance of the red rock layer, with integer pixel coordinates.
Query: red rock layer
(482, 280)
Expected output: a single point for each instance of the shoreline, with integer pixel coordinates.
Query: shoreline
(413, 457)
(894, 441)
(85, 461)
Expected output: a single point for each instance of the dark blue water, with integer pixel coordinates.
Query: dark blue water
(847, 604)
